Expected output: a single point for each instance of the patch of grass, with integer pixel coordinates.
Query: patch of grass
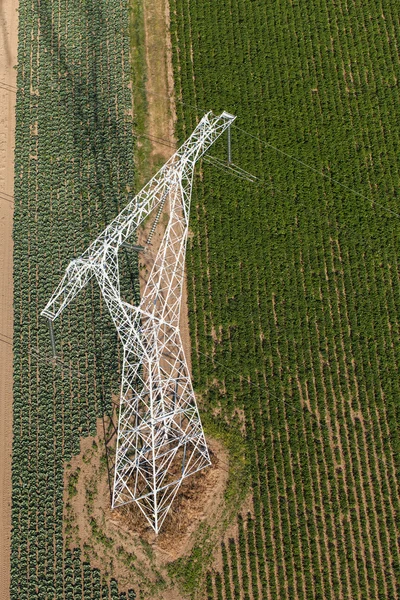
(238, 481)
(188, 571)
(72, 481)
(91, 493)
(99, 536)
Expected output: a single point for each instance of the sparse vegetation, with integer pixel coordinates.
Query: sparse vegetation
(72, 481)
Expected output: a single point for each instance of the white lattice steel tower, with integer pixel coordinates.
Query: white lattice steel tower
(160, 437)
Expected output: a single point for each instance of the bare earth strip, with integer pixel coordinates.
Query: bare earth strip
(160, 125)
(159, 77)
(8, 58)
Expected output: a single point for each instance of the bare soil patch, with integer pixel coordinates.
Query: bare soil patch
(160, 129)
(159, 78)
(8, 58)
(120, 542)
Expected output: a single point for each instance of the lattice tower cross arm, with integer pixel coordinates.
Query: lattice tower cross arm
(80, 270)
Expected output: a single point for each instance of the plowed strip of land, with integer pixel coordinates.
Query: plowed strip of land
(8, 58)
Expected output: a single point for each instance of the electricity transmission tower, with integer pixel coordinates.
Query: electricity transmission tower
(160, 438)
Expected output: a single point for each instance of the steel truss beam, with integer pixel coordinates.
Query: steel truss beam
(160, 437)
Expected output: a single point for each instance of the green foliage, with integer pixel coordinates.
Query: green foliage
(99, 535)
(73, 170)
(238, 482)
(227, 583)
(72, 481)
(189, 571)
(294, 291)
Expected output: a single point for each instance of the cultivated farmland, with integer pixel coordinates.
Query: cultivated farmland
(73, 169)
(294, 289)
(293, 285)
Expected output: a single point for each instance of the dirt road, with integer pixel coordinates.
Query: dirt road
(8, 58)
(161, 115)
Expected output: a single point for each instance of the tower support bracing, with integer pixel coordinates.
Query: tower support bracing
(160, 438)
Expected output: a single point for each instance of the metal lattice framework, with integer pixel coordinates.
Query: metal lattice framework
(160, 437)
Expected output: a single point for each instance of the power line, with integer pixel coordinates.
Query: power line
(8, 87)
(43, 356)
(3, 196)
(6, 336)
(213, 160)
(196, 108)
(153, 138)
(199, 110)
(234, 169)
(230, 168)
(298, 160)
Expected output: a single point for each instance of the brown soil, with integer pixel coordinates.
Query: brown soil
(120, 542)
(8, 58)
(161, 117)
(159, 78)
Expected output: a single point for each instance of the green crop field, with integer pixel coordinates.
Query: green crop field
(294, 285)
(73, 165)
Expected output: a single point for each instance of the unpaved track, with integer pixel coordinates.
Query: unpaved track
(161, 116)
(159, 77)
(8, 58)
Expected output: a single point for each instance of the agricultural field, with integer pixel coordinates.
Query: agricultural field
(294, 292)
(73, 172)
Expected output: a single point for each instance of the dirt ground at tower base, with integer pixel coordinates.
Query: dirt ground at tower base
(120, 542)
